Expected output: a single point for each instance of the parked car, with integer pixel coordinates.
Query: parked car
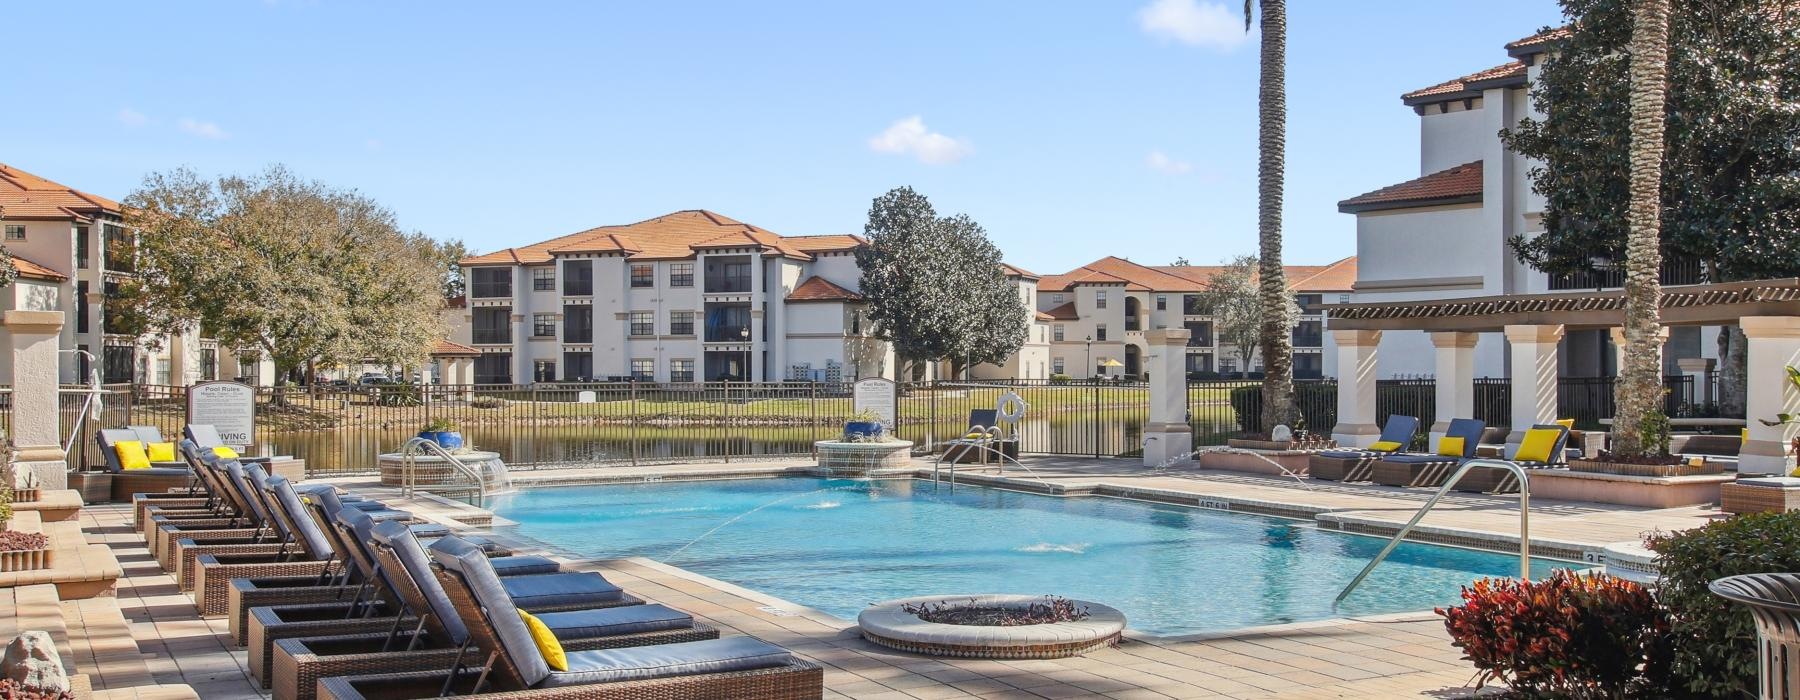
(371, 378)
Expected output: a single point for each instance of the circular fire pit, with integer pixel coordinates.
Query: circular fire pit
(861, 457)
(890, 625)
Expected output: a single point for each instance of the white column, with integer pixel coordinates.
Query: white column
(1356, 387)
(1774, 346)
(1534, 376)
(1699, 370)
(1455, 379)
(36, 437)
(1167, 438)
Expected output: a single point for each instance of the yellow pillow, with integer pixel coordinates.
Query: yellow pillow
(225, 452)
(1537, 445)
(162, 451)
(1450, 446)
(546, 642)
(131, 454)
(1386, 446)
(1566, 423)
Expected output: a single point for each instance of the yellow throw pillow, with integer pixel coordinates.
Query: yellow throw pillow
(1386, 446)
(546, 642)
(225, 452)
(1537, 445)
(1450, 446)
(131, 454)
(1566, 423)
(162, 451)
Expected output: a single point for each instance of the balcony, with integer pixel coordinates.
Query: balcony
(492, 336)
(1610, 275)
(1133, 324)
(727, 285)
(727, 334)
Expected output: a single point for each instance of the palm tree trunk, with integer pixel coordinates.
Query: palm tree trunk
(1638, 389)
(1277, 344)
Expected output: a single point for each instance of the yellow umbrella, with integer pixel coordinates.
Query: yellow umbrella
(1109, 362)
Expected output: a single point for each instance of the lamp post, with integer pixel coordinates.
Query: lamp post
(1090, 356)
(744, 373)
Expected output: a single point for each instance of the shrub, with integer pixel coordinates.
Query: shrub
(6, 499)
(1317, 402)
(1060, 379)
(1573, 635)
(489, 402)
(14, 541)
(1715, 640)
(12, 690)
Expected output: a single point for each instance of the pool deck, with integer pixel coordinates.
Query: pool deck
(1378, 657)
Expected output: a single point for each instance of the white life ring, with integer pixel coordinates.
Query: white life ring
(1011, 407)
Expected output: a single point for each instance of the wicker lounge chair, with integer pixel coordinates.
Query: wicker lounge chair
(1356, 465)
(1494, 480)
(159, 477)
(741, 668)
(1774, 602)
(1428, 469)
(295, 570)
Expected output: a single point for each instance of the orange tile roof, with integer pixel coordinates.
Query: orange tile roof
(1041, 316)
(828, 243)
(820, 289)
(1334, 277)
(1066, 312)
(1456, 185)
(673, 236)
(1469, 85)
(33, 271)
(1016, 271)
(1537, 43)
(27, 196)
(447, 348)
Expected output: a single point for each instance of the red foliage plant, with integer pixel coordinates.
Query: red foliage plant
(10, 690)
(12, 541)
(1572, 635)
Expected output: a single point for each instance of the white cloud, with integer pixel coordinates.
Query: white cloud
(910, 137)
(205, 130)
(1195, 22)
(132, 117)
(372, 144)
(1163, 163)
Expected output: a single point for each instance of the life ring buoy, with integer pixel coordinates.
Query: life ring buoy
(1011, 407)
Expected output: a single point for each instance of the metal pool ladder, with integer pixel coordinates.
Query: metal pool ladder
(1524, 521)
(418, 445)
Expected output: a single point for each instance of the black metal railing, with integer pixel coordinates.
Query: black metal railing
(1676, 270)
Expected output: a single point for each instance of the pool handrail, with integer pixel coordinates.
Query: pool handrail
(409, 471)
(1524, 520)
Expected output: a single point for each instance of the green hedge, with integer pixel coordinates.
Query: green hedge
(1317, 402)
(1715, 640)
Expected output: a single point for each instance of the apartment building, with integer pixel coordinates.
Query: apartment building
(1444, 234)
(72, 252)
(1097, 315)
(1032, 361)
(687, 296)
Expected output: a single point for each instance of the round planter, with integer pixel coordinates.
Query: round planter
(889, 625)
(432, 470)
(863, 429)
(447, 439)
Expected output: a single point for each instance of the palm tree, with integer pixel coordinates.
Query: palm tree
(1272, 288)
(1638, 390)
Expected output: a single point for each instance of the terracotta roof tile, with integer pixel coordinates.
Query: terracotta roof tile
(1339, 276)
(1066, 312)
(1467, 85)
(447, 348)
(1459, 184)
(671, 236)
(829, 243)
(27, 196)
(821, 289)
(1042, 316)
(1537, 43)
(33, 271)
(1016, 271)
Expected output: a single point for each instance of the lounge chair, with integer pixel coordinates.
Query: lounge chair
(743, 668)
(1494, 480)
(1357, 465)
(208, 438)
(963, 450)
(153, 476)
(1430, 469)
(292, 569)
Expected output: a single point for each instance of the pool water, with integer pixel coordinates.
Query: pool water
(840, 545)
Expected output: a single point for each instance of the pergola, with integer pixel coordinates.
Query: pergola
(1768, 311)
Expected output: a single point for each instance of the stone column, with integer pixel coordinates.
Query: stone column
(37, 439)
(1774, 346)
(1534, 376)
(1356, 388)
(1699, 370)
(1455, 379)
(1168, 439)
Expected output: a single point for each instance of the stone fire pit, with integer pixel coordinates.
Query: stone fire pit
(889, 625)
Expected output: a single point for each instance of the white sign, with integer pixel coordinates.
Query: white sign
(586, 397)
(229, 407)
(877, 396)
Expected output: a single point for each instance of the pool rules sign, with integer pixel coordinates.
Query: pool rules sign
(229, 407)
(878, 396)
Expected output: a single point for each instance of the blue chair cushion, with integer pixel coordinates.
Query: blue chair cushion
(665, 660)
(382, 516)
(499, 613)
(1777, 482)
(1351, 454)
(317, 546)
(159, 471)
(524, 565)
(1400, 429)
(560, 590)
(610, 622)
(429, 530)
(1415, 458)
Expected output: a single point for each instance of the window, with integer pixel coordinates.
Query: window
(643, 275)
(681, 370)
(681, 323)
(1194, 305)
(643, 323)
(119, 253)
(1309, 303)
(578, 366)
(81, 308)
(1343, 298)
(1056, 366)
(1100, 332)
(543, 371)
(247, 370)
(164, 371)
(1100, 299)
(1162, 302)
(1308, 366)
(490, 282)
(114, 318)
(727, 277)
(1309, 334)
(1057, 333)
(116, 363)
(578, 278)
(643, 370)
(1199, 362)
(543, 325)
(15, 232)
(1200, 334)
(491, 325)
(493, 368)
(1056, 299)
(578, 327)
(1227, 365)
(543, 279)
(209, 364)
(681, 275)
(81, 247)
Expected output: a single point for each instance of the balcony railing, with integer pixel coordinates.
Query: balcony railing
(1675, 271)
(727, 334)
(1132, 324)
(727, 285)
(1200, 341)
(492, 335)
(1309, 340)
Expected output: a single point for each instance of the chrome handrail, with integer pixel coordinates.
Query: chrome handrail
(1524, 520)
(409, 468)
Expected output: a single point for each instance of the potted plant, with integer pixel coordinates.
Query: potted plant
(442, 431)
(863, 426)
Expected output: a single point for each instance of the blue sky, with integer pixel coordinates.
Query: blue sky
(1070, 129)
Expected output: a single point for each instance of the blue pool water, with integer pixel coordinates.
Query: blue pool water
(839, 545)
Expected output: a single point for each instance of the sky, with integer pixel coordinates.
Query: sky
(1070, 129)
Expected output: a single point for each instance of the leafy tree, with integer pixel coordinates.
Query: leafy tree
(448, 256)
(935, 287)
(1639, 389)
(1233, 297)
(292, 269)
(1273, 294)
(1180, 261)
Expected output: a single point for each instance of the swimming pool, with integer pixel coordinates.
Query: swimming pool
(839, 545)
